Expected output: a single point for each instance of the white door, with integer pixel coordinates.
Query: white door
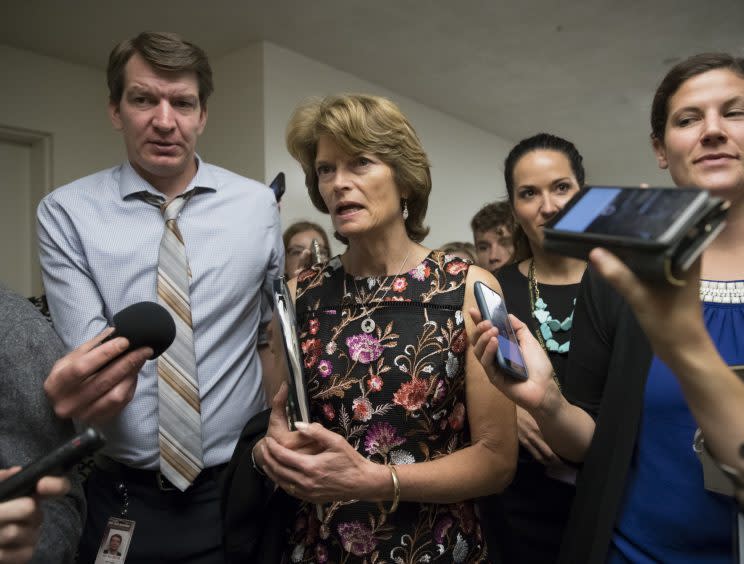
(24, 179)
(15, 217)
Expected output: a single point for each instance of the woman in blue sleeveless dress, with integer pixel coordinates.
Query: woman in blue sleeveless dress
(631, 406)
(406, 427)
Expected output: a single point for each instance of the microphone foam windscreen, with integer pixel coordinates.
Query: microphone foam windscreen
(146, 324)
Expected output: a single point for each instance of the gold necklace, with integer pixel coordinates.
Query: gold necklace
(368, 325)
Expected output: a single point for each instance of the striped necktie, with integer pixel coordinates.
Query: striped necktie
(179, 417)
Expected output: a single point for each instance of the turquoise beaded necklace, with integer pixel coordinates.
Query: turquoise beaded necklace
(548, 325)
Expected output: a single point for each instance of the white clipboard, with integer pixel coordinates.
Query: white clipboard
(298, 407)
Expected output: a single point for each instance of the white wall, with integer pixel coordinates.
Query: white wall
(467, 162)
(67, 100)
(234, 136)
(256, 89)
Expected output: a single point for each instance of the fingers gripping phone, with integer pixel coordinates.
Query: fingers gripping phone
(657, 232)
(55, 463)
(509, 355)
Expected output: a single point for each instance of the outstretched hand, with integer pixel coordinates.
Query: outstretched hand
(96, 381)
(529, 394)
(658, 307)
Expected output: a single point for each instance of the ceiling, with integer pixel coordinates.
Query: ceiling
(584, 70)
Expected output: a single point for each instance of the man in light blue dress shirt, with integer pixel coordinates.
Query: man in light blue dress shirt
(99, 244)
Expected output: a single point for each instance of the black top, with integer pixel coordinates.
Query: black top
(525, 523)
(606, 376)
(559, 299)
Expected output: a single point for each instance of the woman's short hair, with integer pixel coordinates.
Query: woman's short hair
(539, 142)
(681, 73)
(361, 123)
(302, 226)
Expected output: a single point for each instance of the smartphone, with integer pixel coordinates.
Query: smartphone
(641, 216)
(278, 186)
(509, 355)
(657, 232)
(55, 463)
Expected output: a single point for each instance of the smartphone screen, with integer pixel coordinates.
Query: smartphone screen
(492, 307)
(640, 213)
(278, 186)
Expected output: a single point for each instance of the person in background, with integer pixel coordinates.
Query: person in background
(163, 226)
(493, 227)
(298, 239)
(629, 412)
(463, 249)
(406, 427)
(542, 173)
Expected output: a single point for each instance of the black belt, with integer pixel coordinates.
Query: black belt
(153, 478)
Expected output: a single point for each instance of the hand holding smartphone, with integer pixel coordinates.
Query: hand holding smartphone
(657, 232)
(509, 355)
(57, 462)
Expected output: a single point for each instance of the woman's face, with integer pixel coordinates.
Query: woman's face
(295, 255)
(358, 190)
(543, 183)
(704, 135)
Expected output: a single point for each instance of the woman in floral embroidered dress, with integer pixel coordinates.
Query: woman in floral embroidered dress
(401, 409)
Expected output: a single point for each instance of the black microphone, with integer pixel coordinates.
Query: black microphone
(145, 324)
(59, 461)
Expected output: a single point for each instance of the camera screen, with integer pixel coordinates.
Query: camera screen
(630, 212)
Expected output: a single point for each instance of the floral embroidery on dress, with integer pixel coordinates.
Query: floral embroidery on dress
(397, 394)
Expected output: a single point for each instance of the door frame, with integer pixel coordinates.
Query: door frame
(40, 144)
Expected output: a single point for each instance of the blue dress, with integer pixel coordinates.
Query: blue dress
(666, 514)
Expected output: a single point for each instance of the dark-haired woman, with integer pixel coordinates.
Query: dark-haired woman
(632, 419)
(542, 173)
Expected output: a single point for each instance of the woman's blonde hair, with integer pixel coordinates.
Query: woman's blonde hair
(360, 123)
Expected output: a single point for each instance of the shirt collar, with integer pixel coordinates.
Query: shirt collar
(131, 183)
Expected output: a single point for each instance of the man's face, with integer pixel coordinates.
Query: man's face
(114, 543)
(161, 118)
(493, 248)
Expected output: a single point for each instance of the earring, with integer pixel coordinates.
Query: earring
(405, 210)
